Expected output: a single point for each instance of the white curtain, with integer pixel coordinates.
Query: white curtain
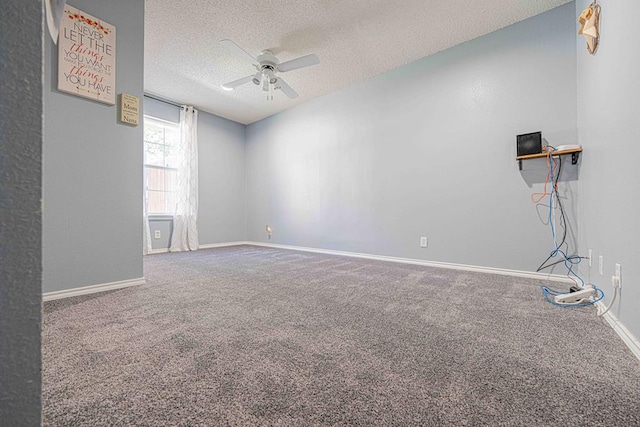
(146, 233)
(185, 227)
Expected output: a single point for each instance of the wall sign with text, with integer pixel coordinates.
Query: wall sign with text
(129, 109)
(87, 56)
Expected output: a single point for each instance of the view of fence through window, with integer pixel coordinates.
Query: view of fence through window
(161, 141)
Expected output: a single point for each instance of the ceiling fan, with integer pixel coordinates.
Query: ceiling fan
(267, 65)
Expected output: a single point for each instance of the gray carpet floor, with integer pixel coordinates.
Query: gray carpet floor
(246, 336)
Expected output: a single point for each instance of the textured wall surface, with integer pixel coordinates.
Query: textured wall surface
(424, 150)
(93, 167)
(221, 153)
(20, 215)
(609, 125)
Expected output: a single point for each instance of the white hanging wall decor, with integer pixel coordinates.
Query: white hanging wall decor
(87, 56)
(590, 26)
(54, 9)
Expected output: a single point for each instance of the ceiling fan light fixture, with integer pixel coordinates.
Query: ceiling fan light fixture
(271, 76)
(257, 79)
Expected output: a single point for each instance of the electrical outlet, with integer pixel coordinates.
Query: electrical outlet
(157, 234)
(590, 256)
(619, 274)
(615, 282)
(423, 242)
(601, 265)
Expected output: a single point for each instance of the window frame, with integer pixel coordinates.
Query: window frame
(156, 215)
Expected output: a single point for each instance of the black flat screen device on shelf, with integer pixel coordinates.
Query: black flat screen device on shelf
(529, 143)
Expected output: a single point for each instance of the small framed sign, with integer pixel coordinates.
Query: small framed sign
(129, 109)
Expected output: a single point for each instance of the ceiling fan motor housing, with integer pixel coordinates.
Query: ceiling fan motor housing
(267, 59)
(268, 63)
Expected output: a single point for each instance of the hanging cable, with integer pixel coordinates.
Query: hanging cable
(544, 193)
(563, 223)
(562, 249)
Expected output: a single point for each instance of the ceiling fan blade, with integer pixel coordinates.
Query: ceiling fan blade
(234, 84)
(303, 61)
(238, 51)
(283, 86)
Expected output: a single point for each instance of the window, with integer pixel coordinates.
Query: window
(161, 141)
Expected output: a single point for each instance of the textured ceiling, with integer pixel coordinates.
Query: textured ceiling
(354, 40)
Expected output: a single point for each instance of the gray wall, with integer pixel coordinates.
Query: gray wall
(221, 176)
(609, 125)
(20, 216)
(93, 167)
(424, 150)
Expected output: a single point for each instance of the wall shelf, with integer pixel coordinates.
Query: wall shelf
(575, 153)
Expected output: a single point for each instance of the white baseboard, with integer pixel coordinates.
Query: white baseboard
(207, 246)
(437, 264)
(158, 251)
(92, 289)
(632, 342)
(222, 245)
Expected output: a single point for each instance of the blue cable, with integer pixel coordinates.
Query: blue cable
(569, 261)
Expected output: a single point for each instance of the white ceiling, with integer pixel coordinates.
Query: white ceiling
(354, 39)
